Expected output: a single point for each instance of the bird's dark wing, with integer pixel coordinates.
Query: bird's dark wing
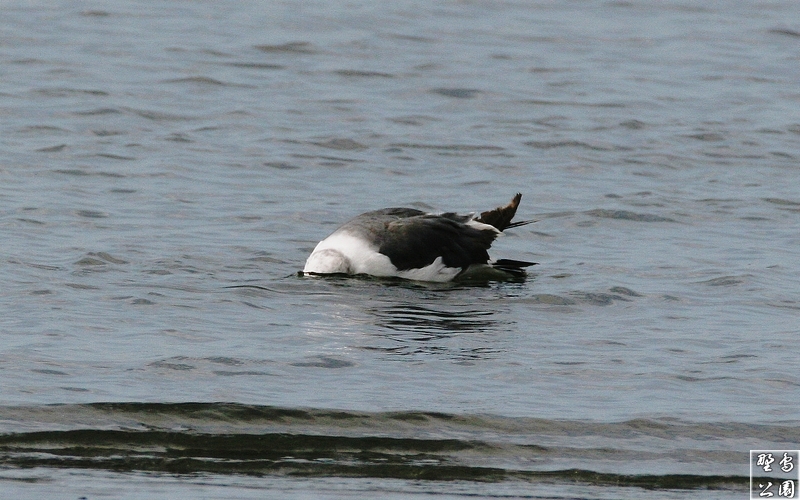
(415, 242)
(372, 225)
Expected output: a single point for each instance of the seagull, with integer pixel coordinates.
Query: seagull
(415, 245)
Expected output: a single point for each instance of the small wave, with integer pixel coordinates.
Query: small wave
(52, 149)
(594, 146)
(785, 32)
(724, 281)
(66, 91)
(341, 144)
(543, 102)
(255, 65)
(226, 438)
(299, 455)
(458, 93)
(781, 202)
(289, 47)
(627, 215)
(203, 80)
(362, 74)
(447, 147)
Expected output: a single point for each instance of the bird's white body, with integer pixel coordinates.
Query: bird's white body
(342, 253)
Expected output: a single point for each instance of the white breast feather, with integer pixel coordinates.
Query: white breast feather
(344, 253)
(435, 271)
(361, 257)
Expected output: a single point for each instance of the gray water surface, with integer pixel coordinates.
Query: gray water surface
(166, 168)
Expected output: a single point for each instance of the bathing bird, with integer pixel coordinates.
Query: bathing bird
(415, 245)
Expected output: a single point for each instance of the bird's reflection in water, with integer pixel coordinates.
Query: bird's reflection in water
(431, 323)
(458, 333)
(413, 321)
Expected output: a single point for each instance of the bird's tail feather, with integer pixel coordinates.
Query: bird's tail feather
(501, 217)
(516, 267)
